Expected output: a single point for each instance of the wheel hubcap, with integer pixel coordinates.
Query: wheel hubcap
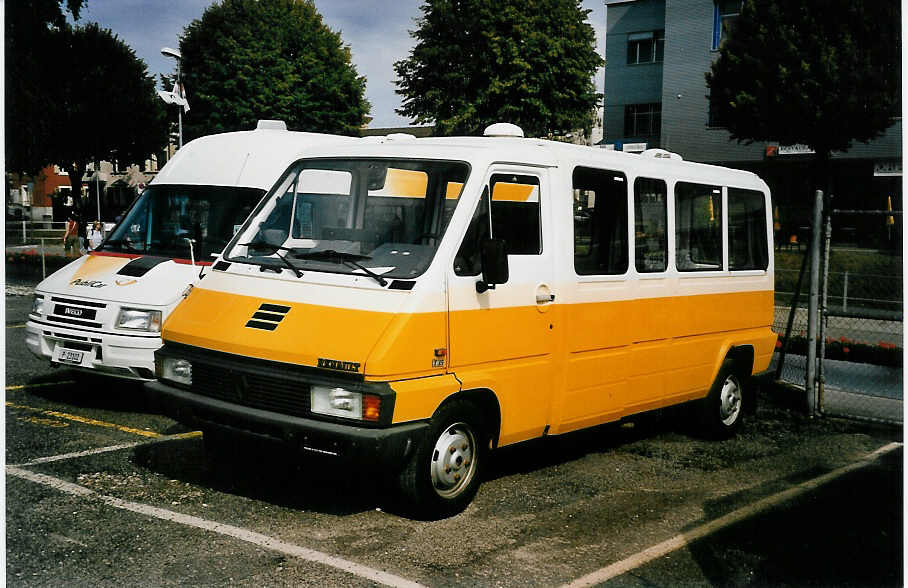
(730, 401)
(453, 460)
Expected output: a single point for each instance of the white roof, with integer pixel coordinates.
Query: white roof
(483, 151)
(251, 159)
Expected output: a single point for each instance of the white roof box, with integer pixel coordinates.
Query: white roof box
(271, 125)
(503, 130)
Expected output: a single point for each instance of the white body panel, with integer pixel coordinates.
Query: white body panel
(92, 286)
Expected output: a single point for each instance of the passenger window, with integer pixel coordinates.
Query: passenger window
(650, 220)
(600, 222)
(747, 230)
(698, 227)
(515, 213)
(467, 261)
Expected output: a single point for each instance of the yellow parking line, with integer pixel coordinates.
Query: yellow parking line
(14, 326)
(43, 385)
(85, 420)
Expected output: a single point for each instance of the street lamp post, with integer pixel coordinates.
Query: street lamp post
(175, 53)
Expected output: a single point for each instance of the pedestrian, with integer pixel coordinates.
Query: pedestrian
(95, 235)
(71, 237)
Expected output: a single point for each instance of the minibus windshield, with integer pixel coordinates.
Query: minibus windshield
(164, 217)
(381, 218)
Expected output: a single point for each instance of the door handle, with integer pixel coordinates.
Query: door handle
(544, 298)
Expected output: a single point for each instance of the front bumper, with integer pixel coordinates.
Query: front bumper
(124, 356)
(374, 447)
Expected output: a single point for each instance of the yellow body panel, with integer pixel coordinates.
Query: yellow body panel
(574, 366)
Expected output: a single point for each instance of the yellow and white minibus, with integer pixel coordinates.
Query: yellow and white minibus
(102, 313)
(415, 303)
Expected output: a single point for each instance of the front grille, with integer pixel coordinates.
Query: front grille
(248, 388)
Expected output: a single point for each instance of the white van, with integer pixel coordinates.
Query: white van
(103, 312)
(410, 304)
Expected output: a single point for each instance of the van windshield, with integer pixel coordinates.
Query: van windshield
(165, 216)
(378, 217)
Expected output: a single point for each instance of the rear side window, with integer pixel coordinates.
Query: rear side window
(600, 222)
(515, 213)
(650, 225)
(747, 242)
(698, 227)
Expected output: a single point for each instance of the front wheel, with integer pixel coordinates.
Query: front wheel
(442, 476)
(723, 408)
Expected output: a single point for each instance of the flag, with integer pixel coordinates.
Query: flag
(890, 220)
(179, 96)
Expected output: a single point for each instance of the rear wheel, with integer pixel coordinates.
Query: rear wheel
(723, 408)
(442, 476)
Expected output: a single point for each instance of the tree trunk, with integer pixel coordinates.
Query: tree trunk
(75, 172)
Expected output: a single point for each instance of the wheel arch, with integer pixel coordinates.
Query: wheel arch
(488, 410)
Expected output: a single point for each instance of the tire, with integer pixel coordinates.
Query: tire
(443, 474)
(723, 409)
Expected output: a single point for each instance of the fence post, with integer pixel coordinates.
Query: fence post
(810, 384)
(824, 309)
(23, 231)
(43, 271)
(845, 294)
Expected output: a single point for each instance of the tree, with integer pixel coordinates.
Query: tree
(105, 104)
(476, 62)
(823, 73)
(31, 28)
(246, 60)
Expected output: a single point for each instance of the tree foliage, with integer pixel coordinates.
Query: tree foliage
(75, 94)
(476, 62)
(823, 73)
(246, 60)
(31, 29)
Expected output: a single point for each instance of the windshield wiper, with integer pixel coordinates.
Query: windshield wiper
(348, 259)
(276, 250)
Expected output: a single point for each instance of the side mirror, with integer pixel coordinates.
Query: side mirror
(494, 260)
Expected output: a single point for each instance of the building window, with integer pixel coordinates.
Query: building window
(648, 47)
(600, 222)
(642, 120)
(725, 13)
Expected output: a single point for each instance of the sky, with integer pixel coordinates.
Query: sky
(377, 32)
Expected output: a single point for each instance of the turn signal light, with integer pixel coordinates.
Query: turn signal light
(371, 407)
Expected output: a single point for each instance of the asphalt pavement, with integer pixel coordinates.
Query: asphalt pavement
(103, 490)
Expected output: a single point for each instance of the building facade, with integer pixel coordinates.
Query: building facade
(657, 55)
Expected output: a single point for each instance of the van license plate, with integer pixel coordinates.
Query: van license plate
(71, 356)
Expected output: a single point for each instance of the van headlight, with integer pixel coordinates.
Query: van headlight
(38, 304)
(344, 403)
(174, 369)
(139, 320)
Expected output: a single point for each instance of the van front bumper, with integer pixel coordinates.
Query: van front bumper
(124, 356)
(379, 447)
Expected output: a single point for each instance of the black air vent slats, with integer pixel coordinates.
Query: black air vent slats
(267, 317)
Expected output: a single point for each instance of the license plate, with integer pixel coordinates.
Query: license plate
(71, 356)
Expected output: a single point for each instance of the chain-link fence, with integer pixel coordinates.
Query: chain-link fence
(860, 339)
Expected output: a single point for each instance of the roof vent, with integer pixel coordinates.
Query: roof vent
(503, 130)
(661, 154)
(271, 125)
(400, 137)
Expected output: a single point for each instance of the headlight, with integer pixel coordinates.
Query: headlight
(38, 304)
(343, 403)
(139, 320)
(174, 369)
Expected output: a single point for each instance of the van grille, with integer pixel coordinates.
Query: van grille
(255, 390)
